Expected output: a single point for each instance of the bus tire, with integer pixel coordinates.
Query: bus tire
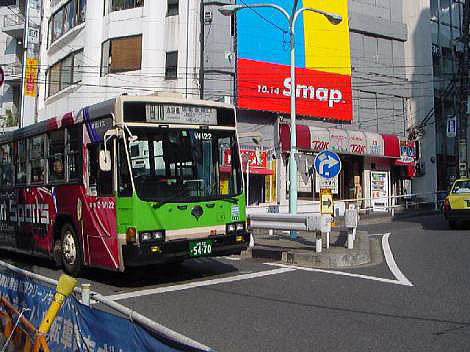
(71, 252)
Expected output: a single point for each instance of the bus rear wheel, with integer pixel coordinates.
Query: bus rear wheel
(72, 259)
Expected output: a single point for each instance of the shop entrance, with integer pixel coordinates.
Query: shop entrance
(351, 177)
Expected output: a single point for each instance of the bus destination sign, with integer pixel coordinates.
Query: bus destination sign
(183, 114)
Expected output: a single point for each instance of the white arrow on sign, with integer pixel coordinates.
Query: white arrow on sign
(329, 162)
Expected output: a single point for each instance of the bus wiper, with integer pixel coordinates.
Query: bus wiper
(174, 196)
(232, 200)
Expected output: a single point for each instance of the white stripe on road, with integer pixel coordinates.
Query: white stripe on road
(391, 262)
(190, 285)
(340, 273)
(392, 265)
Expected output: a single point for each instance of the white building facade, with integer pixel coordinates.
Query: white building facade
(95, 50)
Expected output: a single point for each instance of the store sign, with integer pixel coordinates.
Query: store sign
(320, 139)
(407, 153)
(183, 114)
(31, 77)
(323, 81)
(327, 183)
(375, 144)
(256, 159)
(357, 143)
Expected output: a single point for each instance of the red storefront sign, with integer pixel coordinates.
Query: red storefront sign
(257, 161)
(265, 86)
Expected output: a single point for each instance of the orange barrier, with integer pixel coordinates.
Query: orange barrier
(23, 335)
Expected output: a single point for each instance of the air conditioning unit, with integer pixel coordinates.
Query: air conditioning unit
(420, 168)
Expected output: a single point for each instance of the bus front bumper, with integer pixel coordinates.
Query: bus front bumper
(178, 250)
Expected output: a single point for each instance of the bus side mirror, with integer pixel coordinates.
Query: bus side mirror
(105, 160)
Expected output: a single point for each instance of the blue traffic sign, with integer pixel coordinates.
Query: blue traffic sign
(327, 164)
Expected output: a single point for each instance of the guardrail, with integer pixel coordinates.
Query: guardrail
(315, 223)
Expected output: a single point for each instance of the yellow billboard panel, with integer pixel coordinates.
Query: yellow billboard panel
(31, 77)
(327, 46)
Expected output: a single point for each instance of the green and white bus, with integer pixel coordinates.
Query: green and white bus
(132, 181)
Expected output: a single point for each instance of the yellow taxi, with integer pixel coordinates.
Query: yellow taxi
(457, 203)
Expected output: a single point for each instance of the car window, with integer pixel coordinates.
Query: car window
(461, 187)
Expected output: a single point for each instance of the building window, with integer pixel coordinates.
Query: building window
(67, 17)
(121, 55)
(118, 5)
(173, 7)
(171, 68)
(64, 73)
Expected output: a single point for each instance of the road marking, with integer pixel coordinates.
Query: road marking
(232, 258)
(190, 285)
(340, 273)
(392, 265)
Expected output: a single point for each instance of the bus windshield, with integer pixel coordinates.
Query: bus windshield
(183, 165)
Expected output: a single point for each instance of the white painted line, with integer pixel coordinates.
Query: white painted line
(340, 273)
(232, 258)
(391, 262)
(392, 265)
(190, 285)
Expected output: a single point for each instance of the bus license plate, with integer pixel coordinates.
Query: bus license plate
(200, 248)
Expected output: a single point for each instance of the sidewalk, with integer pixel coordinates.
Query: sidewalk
(301, 251)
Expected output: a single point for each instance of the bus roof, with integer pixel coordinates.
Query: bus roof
(102, 109)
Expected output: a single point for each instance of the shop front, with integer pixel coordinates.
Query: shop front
(367, 159)
(257, 173)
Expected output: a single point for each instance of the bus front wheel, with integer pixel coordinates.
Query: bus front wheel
(71, 251)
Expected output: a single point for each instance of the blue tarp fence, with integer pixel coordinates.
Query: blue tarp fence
(79, 327)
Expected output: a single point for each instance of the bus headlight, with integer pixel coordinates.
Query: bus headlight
(240, 226)
(231, 228)
(235, 228)
(151, 236)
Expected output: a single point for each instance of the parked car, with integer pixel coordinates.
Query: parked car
(457, 203)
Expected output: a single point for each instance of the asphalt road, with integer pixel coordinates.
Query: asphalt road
(233, 304)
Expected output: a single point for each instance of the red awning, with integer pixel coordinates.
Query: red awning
(391, 146)
(303, 137)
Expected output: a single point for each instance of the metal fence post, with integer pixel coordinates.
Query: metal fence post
(318, 242)
(436, 204)
(350, 240)
(86, 294)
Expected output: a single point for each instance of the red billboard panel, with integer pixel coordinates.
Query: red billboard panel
(265, 86)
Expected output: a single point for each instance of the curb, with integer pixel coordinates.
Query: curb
(334, 257)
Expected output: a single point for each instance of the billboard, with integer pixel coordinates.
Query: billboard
(323, 60)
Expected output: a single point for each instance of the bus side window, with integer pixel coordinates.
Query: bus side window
(21, 162)
(56, 156)
(6, 165)
(74, 152)
(100, 183)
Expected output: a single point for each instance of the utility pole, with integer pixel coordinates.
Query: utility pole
(463, 92)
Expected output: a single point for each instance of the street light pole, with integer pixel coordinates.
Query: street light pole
(229, 10)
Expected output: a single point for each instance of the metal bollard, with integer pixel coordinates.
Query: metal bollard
(318, 243)
(350, 240)
(86, 294)
(327, 244)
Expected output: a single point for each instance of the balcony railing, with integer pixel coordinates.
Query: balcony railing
(11, 20)
(13, 71)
